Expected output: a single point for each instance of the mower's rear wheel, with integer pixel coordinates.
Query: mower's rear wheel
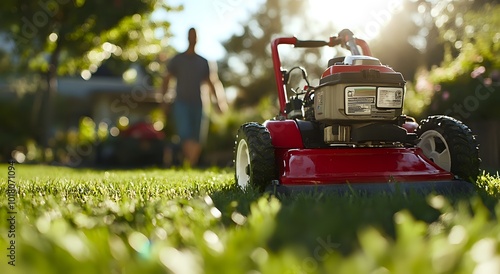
(451, 145)
(254, 157)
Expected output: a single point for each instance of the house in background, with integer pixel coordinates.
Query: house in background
(105, 97)
(116, 103)
(124, 106)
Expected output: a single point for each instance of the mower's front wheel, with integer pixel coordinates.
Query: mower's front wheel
(451, 145)
(254, 157)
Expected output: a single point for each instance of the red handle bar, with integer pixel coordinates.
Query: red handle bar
(334, 41)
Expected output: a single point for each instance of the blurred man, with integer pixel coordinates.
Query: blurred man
(191, 71)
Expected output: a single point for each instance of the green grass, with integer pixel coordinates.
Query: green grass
(189, 221)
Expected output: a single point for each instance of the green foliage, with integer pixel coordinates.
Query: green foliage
(80, 35)
(466, 84)
(87, 131)
(189, 221)
(223, 128)
(417, 102)
(77, 37)
(479, 43)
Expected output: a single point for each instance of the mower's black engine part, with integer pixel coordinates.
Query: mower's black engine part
(311, 133)
(254, 157)
(451, 145)
(309, 110)
(402, 119)
(411, 139)
(377, 132)
(337, 134)
(294, 108)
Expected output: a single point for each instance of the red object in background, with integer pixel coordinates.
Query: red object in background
(144, 131)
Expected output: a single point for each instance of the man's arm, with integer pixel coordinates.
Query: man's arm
(164, 90)
(166, 81)
(217, 90)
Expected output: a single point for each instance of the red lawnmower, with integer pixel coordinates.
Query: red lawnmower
(350, 133)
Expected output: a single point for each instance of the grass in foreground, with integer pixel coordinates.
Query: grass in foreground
(188, 221)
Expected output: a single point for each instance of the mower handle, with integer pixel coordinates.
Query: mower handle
(343, 39)
(310, 43)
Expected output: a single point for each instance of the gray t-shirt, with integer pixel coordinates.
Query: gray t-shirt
(190, 70)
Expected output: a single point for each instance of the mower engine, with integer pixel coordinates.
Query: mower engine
(359, 100)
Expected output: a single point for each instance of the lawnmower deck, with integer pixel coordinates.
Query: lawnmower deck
(364, 169)
(357, 165)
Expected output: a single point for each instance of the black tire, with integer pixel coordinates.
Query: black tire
(254, 157)
(453, 138)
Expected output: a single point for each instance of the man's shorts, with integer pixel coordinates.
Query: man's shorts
(188, 120)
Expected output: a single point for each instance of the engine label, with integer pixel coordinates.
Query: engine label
(318, 99)
(388, 97)
(359, 100)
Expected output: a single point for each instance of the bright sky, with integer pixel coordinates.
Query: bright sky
(217, 20)
(364, 17)
(214, 20)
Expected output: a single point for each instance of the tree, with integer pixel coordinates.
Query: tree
(57, 37)
(467, 85)
(248, 64)
(459, 38)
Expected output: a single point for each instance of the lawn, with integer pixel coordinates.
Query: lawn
(194, 221)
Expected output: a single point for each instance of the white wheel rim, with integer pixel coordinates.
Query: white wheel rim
(434, 150)
(242, 164)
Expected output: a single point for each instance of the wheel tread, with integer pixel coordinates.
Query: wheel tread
(261, 151)
(463, 145)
